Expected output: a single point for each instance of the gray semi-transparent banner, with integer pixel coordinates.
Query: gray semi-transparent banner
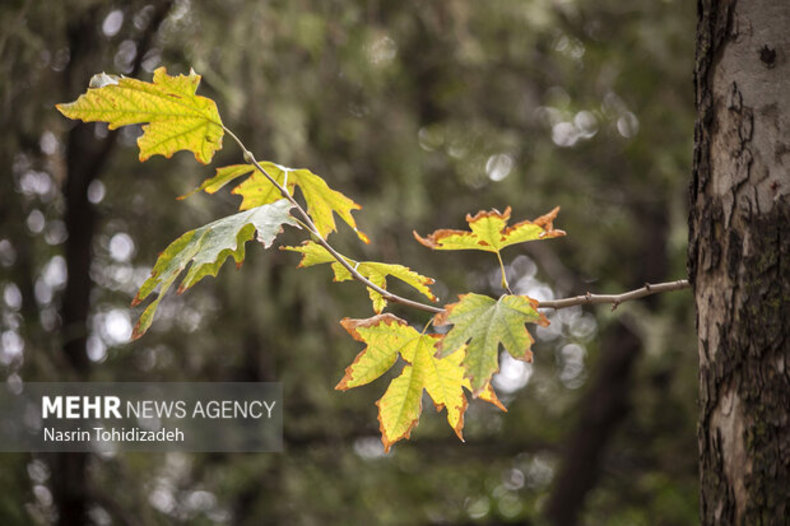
(114, 417)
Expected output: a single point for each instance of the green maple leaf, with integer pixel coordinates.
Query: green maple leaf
(176, 119)
(207, 248)
(376, 272)
(321, 200)
(481, 324)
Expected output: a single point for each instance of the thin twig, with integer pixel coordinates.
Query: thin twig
(616, 299)
(249, 157)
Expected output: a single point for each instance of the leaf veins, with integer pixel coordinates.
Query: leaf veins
(207, 248)
(386, 337)
(481, 324)
(175, 118)
(489, 232)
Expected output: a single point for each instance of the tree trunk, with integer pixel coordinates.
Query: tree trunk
(86, 157)
(739, 259)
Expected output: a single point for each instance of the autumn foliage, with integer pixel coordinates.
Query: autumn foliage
(449, 366)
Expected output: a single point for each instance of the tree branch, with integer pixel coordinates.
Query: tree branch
(616, 299)
(249, 157)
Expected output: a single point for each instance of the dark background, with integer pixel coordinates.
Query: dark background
(421, 112)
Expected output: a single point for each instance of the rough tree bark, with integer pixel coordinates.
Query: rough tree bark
(739, 256)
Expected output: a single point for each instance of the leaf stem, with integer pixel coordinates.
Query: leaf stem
(310, 225)
(425, 328)
(505, 284)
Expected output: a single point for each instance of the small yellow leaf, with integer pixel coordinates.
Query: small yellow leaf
(174, 117)
(377, 273)
(489, 232)
(321, 200)
(256, 190)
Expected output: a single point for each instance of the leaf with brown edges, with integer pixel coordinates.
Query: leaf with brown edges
(481, 324)
(387, 337)
(488, 231)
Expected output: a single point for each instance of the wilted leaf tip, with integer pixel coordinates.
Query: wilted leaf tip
(489, 213)
(488, 231)
(102, 79)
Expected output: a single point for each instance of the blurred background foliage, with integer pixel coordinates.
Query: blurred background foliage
(422, 112)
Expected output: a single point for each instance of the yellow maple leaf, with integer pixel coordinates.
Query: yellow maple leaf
(322, 201)
(174, 117)
(376, 272)
(386, 337)
(256, 190)
(489, 232)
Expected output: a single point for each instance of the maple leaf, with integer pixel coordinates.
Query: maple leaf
(321, 200)
(315, 254)
(386, 337)
(482, 323)
(207, 248)
(175, 118)
(489, 232)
